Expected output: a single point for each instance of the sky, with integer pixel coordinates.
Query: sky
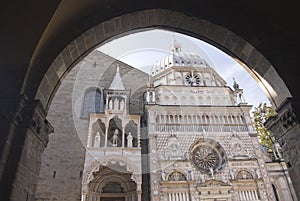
(141, 50)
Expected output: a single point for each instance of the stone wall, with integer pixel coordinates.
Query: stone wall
(63, 160)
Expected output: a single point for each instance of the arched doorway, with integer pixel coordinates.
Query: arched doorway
(112, 180)
(111, 185)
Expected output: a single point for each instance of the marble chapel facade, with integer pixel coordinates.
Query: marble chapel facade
(180, 134)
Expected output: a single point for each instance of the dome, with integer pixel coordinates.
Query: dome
(178, 58)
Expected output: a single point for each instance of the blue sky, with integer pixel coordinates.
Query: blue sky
(141, 50)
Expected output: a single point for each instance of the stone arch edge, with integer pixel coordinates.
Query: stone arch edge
(252, 60)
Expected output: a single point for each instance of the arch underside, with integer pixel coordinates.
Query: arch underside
(242, 51)
(119, 164)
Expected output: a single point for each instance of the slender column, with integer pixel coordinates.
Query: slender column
(139, 195)
(184, 197)
(246, 194)
(252, 195)
(243, 194)
(106, 136)
(153, 96)
(148, 96)
(83, 197)
(181, 196)
(123, 137)
(139, 136)
(187, 197)
(169, 197)
(255, 194)
(240, 195)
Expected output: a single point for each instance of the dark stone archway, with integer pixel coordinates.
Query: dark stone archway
(241, 50)
(36, 57)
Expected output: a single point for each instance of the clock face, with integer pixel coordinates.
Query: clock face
(207, 155)
(192, 79)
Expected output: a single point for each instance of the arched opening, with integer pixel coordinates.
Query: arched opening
(111, 184)
(131, 134)
(116, 126)
(98, 134)
(115, 132)
(187, 20)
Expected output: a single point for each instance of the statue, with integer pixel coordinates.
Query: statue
(211, 172)
(276, 151)
(129, 140)
(97, 140)
(163, 176)
(231, 174)
(202, 178)
(122, 105)
(115, 137)
(189, 175)
(257, 173)
(110, 104)
(116, 104)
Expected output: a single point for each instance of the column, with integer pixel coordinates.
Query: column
(148, 96)
(139, 135)
(184, 197)
(255, 195)
(247, 195)
(243, 195)
(153, 96)
(187, 196)
(123, 137)
(139, 195)
(176, 197)
(106, 134)
(240, 195)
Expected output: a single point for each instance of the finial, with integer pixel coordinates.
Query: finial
(235, 84)
(175, 46)
(174, 40)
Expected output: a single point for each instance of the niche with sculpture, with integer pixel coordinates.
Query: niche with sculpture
(98, 134)
(114, 136)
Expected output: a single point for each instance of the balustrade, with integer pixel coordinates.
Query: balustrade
(199, 128)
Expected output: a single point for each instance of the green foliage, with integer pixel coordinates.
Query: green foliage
(260, 114)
